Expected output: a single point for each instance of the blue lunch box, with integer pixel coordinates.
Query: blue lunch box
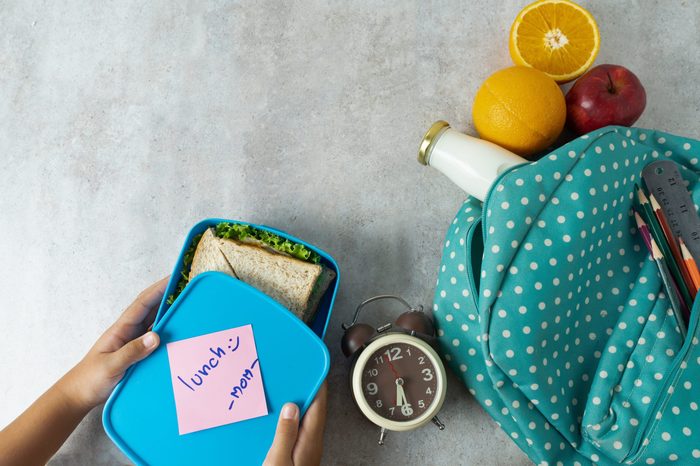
(140, 415)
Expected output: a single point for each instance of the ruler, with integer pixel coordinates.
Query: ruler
(664, 181)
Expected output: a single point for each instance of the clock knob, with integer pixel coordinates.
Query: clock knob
(416, 321)
(355, 338)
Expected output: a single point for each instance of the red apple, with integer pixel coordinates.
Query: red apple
(605, 95)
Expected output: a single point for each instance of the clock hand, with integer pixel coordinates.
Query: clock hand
(393, 370)
(400, 393)
(398, 385)
(403, 395)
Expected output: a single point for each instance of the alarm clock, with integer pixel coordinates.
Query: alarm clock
(397, 379)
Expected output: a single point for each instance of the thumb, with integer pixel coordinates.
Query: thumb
(132, 352)
(280, 453)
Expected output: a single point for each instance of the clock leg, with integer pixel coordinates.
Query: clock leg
(382, 436)
(438, 423)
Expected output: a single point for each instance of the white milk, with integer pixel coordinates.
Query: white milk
(471, 163)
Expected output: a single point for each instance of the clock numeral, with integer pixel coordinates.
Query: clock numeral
(373, 372)
(378, 404)
(427, 374)
(408, 350)
(406, 410)
(378, 360)
(372, 388)
(428, 391)
(392, 354)
(391, 410)
(421, 403)
(421, 360)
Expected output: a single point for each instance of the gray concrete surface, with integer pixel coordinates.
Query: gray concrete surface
(124, 123)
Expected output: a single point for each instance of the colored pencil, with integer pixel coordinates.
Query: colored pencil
(668, 284)
(658, 236)
(643, 229)
(690, 264)
(673, 246)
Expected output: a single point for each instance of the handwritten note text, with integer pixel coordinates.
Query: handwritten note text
(216, 379)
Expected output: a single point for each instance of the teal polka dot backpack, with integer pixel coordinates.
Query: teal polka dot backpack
(551, 311)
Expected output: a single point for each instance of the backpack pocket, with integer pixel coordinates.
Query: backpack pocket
(636, 375)
(670, 435)
(464, 249)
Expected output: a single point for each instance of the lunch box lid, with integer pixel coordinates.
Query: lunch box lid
(140, 415)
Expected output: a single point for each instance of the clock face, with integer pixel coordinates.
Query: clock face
(401, 381)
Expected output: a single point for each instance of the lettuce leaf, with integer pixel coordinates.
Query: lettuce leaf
(186, 266)
(240, 232)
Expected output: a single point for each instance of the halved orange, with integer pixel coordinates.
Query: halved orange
(557, 37)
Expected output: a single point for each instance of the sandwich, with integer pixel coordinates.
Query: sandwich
(288, 272)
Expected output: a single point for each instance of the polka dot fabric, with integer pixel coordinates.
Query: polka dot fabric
(552, 313)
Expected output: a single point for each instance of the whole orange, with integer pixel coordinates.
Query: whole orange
(519, 108)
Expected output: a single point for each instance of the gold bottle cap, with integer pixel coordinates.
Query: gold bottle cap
(429, 139)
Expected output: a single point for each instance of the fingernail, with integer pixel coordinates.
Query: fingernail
(149, 340)
(290, 411)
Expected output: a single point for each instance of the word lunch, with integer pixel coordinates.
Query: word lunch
(198, 378)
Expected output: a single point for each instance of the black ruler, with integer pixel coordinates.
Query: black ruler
(664, 181)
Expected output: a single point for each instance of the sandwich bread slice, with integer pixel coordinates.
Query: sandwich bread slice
(297, 284)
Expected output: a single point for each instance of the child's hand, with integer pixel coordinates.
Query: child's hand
(295, 446)
(39, 432)
(127, 341)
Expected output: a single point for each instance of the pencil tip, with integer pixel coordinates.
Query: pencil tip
(641, 196)
(655, 252)
(684, 250)
(655, 205)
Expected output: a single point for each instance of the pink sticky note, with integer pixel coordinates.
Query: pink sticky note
(216, 379)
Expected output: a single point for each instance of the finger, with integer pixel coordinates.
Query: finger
(144, 304)
(134, 351)
(147, 323)
(280, 453)
(309, 446)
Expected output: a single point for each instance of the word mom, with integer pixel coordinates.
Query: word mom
(200, 377)
(242, 385)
